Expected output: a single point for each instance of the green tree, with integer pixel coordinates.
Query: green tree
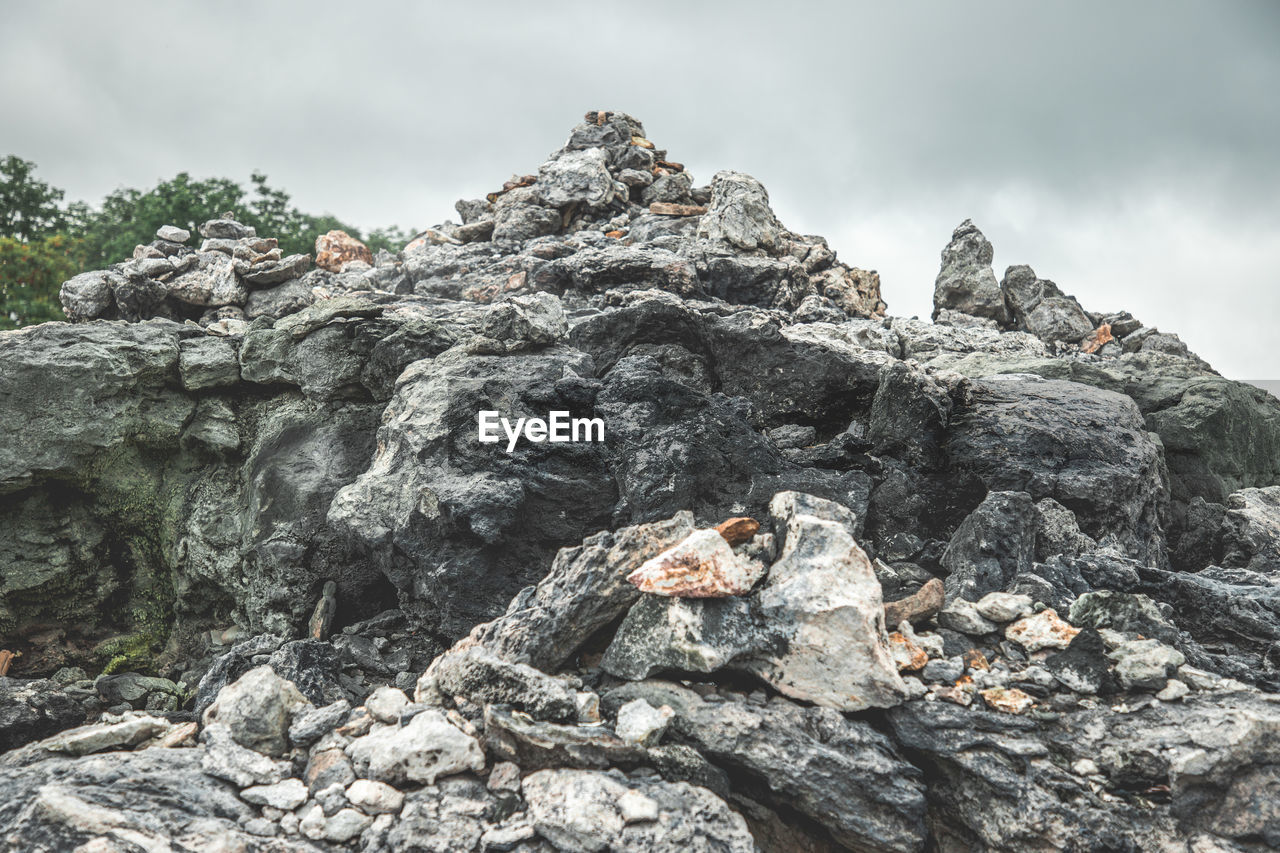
(31, 274)
(28, 207)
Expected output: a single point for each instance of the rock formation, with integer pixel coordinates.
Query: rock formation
(832, 580)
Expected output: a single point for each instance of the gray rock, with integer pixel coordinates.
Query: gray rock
(224, 758)
(211, 284)
(1085, 448)
(1130, 613)
(173, 234)
(268, 273)
(257, 710)
(536, 319)
(1039, 307)
(641, 723)
(1058, 532)
(576, 178)
(207, 363)
(739, 216)
(310, 724)
(991, 546)
(1005, 607)
(386, 703)
(1251, 530)
(961, 615)
(285, 795)
(836, 771)
(70, 804)
(374, 797)
(226, 229)
(425, 748)
(1145, 664)
(966, 283)
(474, 671)
(584, 811)
(946, 670)
(88, 295)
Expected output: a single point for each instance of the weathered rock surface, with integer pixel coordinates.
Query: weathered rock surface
(245, 512)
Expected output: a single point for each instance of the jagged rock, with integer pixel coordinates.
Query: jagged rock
(583, 811)
(963, 616)
(576, 177)
(849, 779)
(474, 671)
(286, 795)
(207, 363)
(425, 748)
(226, 229)
(211, 284)
(1145, 664)
(256, 709)
(1083, 665)
(226, 759)
(820, 604)
(88, 295)
(309, 724)
(703, 565)
(966, 282)
(991, 546)
(1131, 613)
(34, 709)
(1251, 530)
(641, 723)
(1039, 307)
(1080, 446)
(739, 215)
(1058, 532)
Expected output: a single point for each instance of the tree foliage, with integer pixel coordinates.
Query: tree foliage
(43, 243)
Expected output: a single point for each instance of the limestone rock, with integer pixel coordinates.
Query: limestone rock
(1044, 630)
(425, 748)
(739, 215)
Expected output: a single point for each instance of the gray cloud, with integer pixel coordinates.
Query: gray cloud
(1124, 150)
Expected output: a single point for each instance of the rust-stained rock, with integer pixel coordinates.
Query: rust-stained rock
(1101, 335)
(664, 208)
(1007, 700)
(641, 141)
(703, 565)
(671, 166)
(615, 234)
(1044, 630)
(924, 603)
(335, 248)
(180, 735)
(975, 659)
(855, 291)
(738, 530)
(906, 654)
(960, 693)
(6, 660)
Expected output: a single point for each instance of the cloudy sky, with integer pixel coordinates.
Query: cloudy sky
(1128, 151)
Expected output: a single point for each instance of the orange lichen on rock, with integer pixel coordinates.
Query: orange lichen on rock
(1044, 630)
(1007, 700)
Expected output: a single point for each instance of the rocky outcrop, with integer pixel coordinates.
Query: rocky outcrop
(823, 580)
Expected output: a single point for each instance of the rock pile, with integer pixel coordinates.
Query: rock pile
(832, 581)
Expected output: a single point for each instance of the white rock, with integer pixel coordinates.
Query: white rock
(374, 797)
(311, 823)
(1084, 767)
(346, 825)
(286, 795)
(225, 759)
(173, 234)
(386, 703)
(1003, 606)
(1173, 691)
(428, 747)
(636, 807)
(641, 723)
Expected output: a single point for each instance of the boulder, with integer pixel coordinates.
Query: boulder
(422, 750)
(739, 216)
(257, 710)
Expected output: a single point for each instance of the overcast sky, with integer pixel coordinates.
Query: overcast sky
(1128, 151)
